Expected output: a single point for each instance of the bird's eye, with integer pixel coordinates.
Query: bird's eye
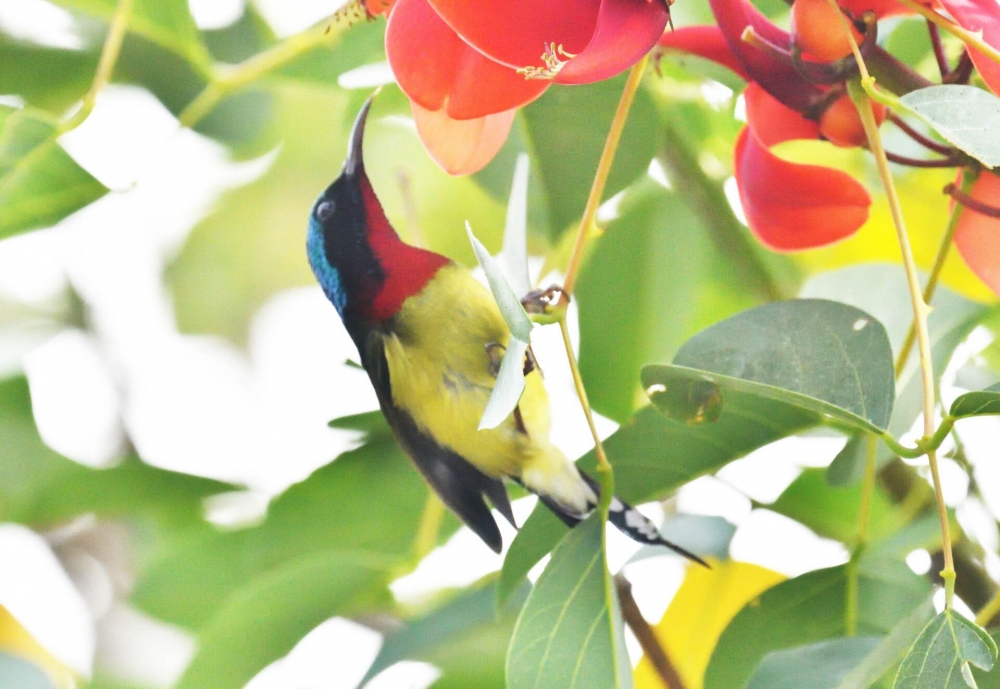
(324, 210)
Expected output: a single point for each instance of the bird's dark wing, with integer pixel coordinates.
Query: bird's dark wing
(460, 485)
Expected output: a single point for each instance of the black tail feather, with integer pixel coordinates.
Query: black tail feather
(625, 518)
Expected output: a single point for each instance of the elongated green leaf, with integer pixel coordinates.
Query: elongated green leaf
(570, 633)
(940, 656)
(848, 466)
(534, 540)
(40, 184)
(822, 665)
(510, 378)
(339, 507)
(890, 649)
(653, 455)
(564, 132)
(31, 473)
(165, 22)
(977, 403)
(267, 617)
(823, 356)
(808, 609)
(459, 617)
(966, 116)
(67, 74)
(17, 672)
(832, 511)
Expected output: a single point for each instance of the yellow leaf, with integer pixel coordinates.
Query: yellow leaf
(703, 607)
(15, 640)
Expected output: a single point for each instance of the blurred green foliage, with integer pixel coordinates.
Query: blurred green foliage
(673, 261)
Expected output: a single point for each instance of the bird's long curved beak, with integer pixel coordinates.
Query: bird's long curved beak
(355, 160)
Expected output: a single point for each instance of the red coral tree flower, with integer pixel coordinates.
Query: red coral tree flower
(788, 206)
(466, 67)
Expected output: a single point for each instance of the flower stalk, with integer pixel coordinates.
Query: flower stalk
(859, 96)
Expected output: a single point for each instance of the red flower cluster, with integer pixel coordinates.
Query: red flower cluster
(466, 67)
(788, 206)
(791, 206)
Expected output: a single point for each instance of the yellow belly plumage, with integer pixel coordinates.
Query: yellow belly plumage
(440, 374)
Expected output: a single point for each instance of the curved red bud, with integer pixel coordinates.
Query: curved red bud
(791, 207)
(437, 69)
(461, 147)
(980, 15)
(772, 121)
(704, 41)
(626, 30)
(516, 32)
(777, 76)
(977, 236)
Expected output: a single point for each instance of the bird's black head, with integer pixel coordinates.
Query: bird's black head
(338, 246)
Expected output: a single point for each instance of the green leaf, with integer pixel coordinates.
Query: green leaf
(653, 454)
(848, 466)
(40, 184)
(709, 536)
(822, 356)
(822, 665)
(421, 637)
(880, 289)
(336, 509)
(510, 378)
(564, 133)
(640, 297)
(165, 22)
(810, 608)
(534, 540)
(977, 403)
(17, 672)
(832, 511)
(966, 116)
(890, 649)
(569, 633)
(266, 618)
(67, 74)
(31, 474)
(940, 656)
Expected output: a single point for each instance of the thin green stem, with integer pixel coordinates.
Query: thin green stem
(588, 224)
(429, 527)
(968, 178)
(259, 65)
(971, 39)
(604, 470)
(105, 66)
(990, 610)
(864, 523)
(920, 310)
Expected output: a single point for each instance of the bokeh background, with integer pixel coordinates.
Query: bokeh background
(175, 320)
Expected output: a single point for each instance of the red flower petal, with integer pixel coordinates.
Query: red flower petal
(773, 122)
(704, 41)
(977, 236)
(461, 147)
(626, 30)
(881, 8)
(437, 69)
(980, 15)
(778, 77)
(790, 206)
(515, 32)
